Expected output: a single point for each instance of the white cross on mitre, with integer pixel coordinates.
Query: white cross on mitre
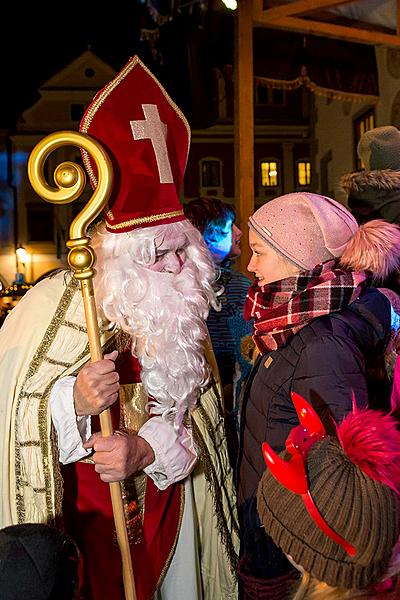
(153, 129)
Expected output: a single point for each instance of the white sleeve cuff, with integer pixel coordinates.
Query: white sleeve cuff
(71, 430)
(175, 455)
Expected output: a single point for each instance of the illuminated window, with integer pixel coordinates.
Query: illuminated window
(364, 123)
(269, 172)
(211, 173)
(303, 173)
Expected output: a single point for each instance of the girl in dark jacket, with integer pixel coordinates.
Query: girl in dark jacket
(318, 326)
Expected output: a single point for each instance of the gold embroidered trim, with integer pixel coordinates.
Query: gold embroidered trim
(38, 358)
(85, 352)
(101, 97)
(133, 401)
(48, 443)
(58, 481)
(29, 444)
(36, 490)
(133, 415)
(75, 326)
(140, 220)
(58, 363)
(132, 501)
(53, 502)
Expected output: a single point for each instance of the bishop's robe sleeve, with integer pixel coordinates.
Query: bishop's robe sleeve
(175, 453)
(72, 431)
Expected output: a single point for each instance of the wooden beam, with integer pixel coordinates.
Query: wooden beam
(301, 7)
(352, 34)
(244, 123)
(258, 10)
(398, 17)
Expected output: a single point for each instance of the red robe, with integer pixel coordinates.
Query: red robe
(89, 520)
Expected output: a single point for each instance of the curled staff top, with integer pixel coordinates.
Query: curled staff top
(70, 178)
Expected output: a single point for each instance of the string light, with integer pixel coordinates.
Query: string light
(231, 4)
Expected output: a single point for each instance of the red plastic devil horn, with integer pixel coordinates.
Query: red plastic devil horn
(291, 474)
(307, 416)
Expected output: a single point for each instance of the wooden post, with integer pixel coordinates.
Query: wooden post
(244, 123)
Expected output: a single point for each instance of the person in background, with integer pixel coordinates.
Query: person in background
(332, 504)
(37, 562)
(229, 331)
(318, 321)
(374, 193)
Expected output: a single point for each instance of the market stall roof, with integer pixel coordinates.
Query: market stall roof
(366, 21)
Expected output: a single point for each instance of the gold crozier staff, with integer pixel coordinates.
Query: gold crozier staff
(70, 180)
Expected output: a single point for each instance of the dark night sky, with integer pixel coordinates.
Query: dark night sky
(38, 40)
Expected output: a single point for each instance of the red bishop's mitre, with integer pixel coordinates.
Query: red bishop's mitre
(147, 138)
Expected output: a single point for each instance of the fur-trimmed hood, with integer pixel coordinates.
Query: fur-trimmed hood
(373, 195)
(362, 180)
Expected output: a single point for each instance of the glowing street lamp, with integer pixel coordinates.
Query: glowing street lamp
(22, 257)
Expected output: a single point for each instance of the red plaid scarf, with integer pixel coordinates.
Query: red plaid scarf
(280, 309)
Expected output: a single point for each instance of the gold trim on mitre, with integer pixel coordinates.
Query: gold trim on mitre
(151, 219)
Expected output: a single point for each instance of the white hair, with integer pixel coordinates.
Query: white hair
(165, 313)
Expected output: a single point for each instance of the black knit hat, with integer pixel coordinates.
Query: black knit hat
(37, 562)
(365, 512)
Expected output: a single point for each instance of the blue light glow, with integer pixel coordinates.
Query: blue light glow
(219, 240)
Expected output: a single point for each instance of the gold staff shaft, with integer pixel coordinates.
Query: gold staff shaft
(70, 180)
(107, 430)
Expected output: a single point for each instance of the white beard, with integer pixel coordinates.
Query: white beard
(172, 332)
(165, 314)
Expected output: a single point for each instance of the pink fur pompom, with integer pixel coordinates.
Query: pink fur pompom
(374, 247)
(372, 442)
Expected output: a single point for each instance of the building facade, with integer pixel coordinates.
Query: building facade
(282, 151)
